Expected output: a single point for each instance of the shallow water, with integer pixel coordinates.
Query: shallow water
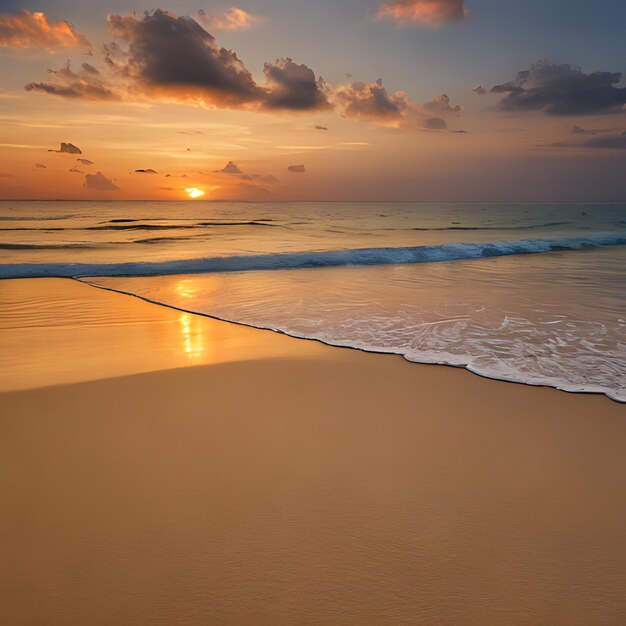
(529, 293)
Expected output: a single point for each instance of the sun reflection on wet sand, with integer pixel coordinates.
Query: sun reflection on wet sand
(192, 336)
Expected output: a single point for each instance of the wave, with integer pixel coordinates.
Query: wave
(301, 260)
(28, 218)
(124, 226)
(44, 246)
(529, 227)
(217, 221)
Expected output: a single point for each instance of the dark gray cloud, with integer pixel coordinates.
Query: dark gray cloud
(148, 171)
(292, 86)
(562, 89)
(99, 182)
(85, 84)
(175, 56)
(579, 130)
(75, 170)
(68, 148)
(90, 69)
(85, 161)
(608, 142)
(435, 123)
(297, 169)
(480, 90)
(320, 127)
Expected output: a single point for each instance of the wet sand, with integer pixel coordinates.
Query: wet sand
(280, 481)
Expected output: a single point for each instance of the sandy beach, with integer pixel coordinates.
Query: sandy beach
(270, 480)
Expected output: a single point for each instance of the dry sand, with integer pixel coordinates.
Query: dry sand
(286, 482)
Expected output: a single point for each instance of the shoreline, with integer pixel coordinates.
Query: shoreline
(467, 368)
(85, 281)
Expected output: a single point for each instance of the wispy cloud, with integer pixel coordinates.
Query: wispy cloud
(33, 30)
(423, 13)
(86, 84)
(232, 19)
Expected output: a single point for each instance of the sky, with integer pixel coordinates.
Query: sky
(261, 100)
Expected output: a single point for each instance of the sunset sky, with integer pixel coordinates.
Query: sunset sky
(482, 100)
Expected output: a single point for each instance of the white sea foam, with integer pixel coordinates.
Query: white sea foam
(554, 320)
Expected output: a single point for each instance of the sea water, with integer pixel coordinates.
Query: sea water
(534, 294)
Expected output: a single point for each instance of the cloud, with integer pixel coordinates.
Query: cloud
(90, 69)
(441, 104)
(76, 170)
(159, 56)
(269, 179)
(372, 102)
(230, 168)
(578, 130)
(319, 127)
(562, 89)
(85, 161)
(172, 56)
(32, 30)
(480, 90)
(292, 86)
(247, 187)
(162, 56)
(99, 182)
(423, 13)
(435, 123)
(68, 148)
(85, 84)
(40, 166)
(297, 169)
(232, 19)
(610, 142)
(148, 171)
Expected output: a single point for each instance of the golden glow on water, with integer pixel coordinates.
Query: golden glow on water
(192, 336)
(185, 288)
(194, 192)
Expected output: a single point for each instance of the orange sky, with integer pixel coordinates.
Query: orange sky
(286, 133)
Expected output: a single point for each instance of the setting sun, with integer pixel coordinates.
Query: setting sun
(194, 192)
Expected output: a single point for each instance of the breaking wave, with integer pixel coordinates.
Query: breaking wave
(331, 258)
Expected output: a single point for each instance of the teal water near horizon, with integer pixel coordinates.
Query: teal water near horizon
(528, 293)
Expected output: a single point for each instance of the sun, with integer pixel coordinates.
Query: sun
(194, 192)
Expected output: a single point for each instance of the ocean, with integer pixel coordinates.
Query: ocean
(529, 293)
